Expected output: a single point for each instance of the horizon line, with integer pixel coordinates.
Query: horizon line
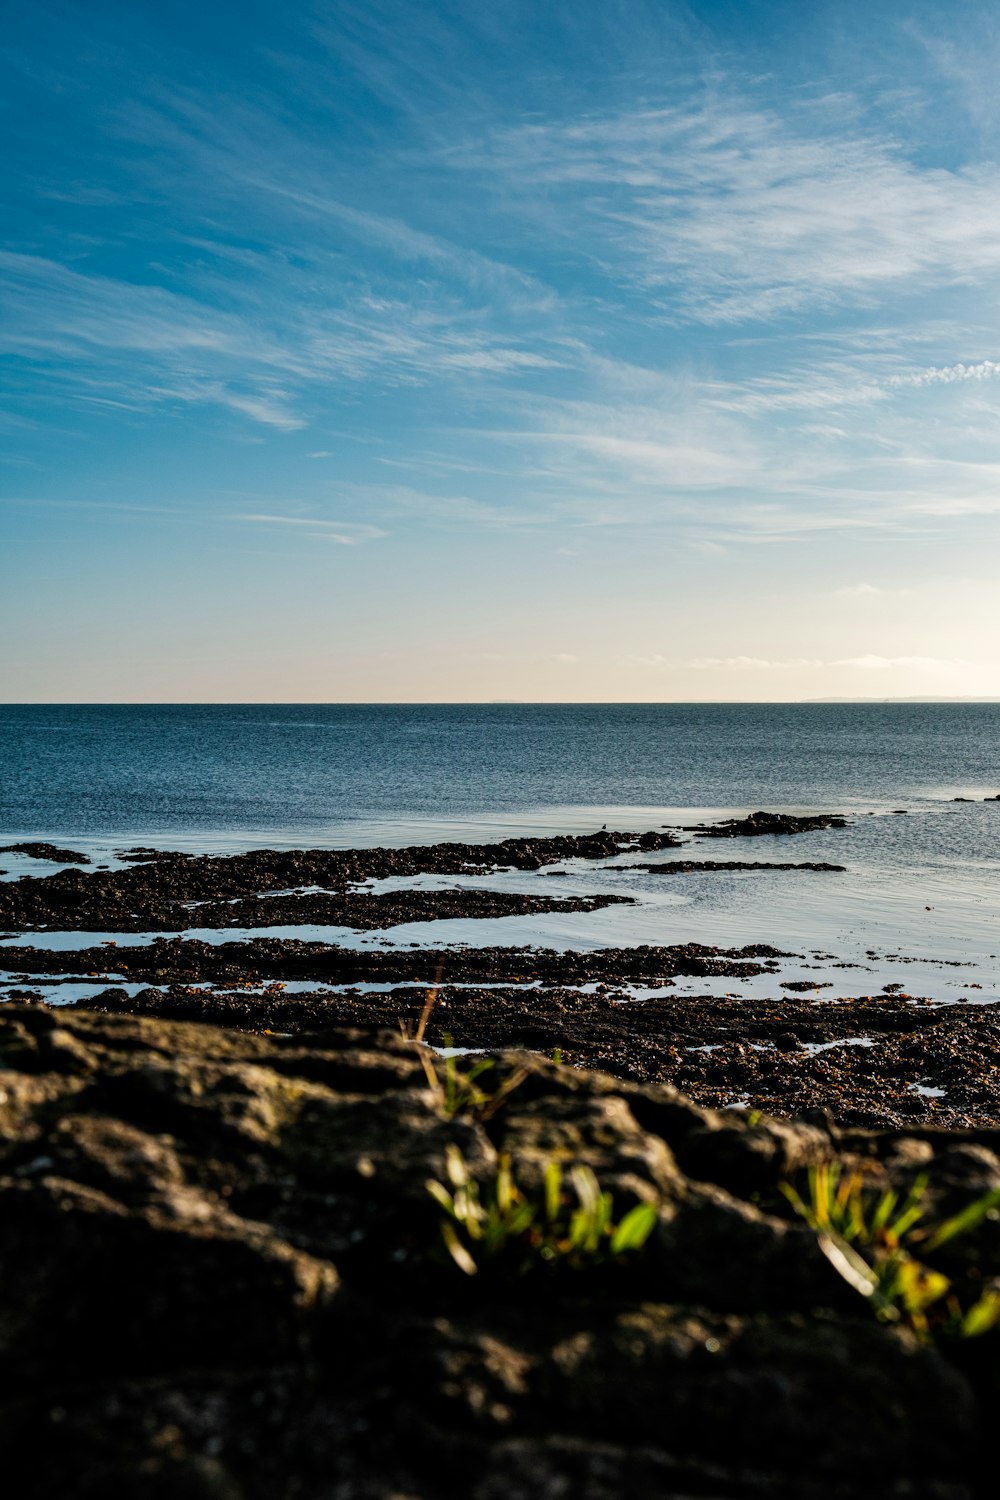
(482, 702)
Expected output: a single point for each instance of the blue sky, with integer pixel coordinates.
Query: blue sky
(438, 351)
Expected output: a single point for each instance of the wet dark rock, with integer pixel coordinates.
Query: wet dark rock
(92, 1288)
(86, 908)
(759, 823)
(364, 913)
(630, 1162)
(651, 840)
(215, 1276)
(218, 1279)
(180, 960)
(47, 851)
(142, 853)
(165, 891)
(695, 866)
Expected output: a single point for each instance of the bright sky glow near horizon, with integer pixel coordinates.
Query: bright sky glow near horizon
(419, 350)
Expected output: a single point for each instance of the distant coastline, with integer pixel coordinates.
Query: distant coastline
(929, 699)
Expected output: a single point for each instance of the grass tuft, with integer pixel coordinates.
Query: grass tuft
(456, 1087)
(874, 1241)
(570, 1224)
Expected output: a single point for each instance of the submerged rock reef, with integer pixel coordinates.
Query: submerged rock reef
(223, 1276)
(162, 891)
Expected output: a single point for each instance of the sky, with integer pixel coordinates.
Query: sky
(557, 350)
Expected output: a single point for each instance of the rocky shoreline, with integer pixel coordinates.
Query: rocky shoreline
(163, 892)
(862, 1063)
(160, 891)
(879, 1060)
(222, 1274)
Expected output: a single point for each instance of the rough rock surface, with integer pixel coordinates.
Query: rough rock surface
(220, 1278)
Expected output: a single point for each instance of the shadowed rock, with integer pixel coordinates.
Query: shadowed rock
(220, 1276)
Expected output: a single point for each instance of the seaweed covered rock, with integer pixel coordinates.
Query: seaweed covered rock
(757, 823)
(157, 891)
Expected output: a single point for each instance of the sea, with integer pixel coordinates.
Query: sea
(918, 904)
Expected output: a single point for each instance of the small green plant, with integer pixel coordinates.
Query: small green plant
(455, 1087)
(871, 1238)
(460, 1092)
(481, 1227)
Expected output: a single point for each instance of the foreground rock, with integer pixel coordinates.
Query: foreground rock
(221, 1276)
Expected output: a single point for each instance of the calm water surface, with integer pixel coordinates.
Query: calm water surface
(304, 770)
(925, 886)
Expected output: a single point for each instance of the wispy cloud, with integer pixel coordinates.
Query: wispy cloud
(343, 533)
(743, 213)
(52, 309)
(610, 303)
(751, 663)
(447, 511)
(985, 369)
(868, 591)
(150, 344)
(875, 663)
(870, 662)
(269, 406)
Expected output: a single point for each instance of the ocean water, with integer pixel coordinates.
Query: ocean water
(304, 771)
(919, 902)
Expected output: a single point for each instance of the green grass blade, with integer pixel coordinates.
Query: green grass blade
(588, 1189)
(579, 1225)
(981, 1316)
(458, 1172)
(883, 1210)
(799, 1204)
(441, 1196)
(960, 1223)
(553, 1191)
(635, 1229)
(912, 1210)
(457, 1250)
(852, 1267)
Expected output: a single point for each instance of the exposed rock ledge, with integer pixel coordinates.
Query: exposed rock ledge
(217, 1280)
